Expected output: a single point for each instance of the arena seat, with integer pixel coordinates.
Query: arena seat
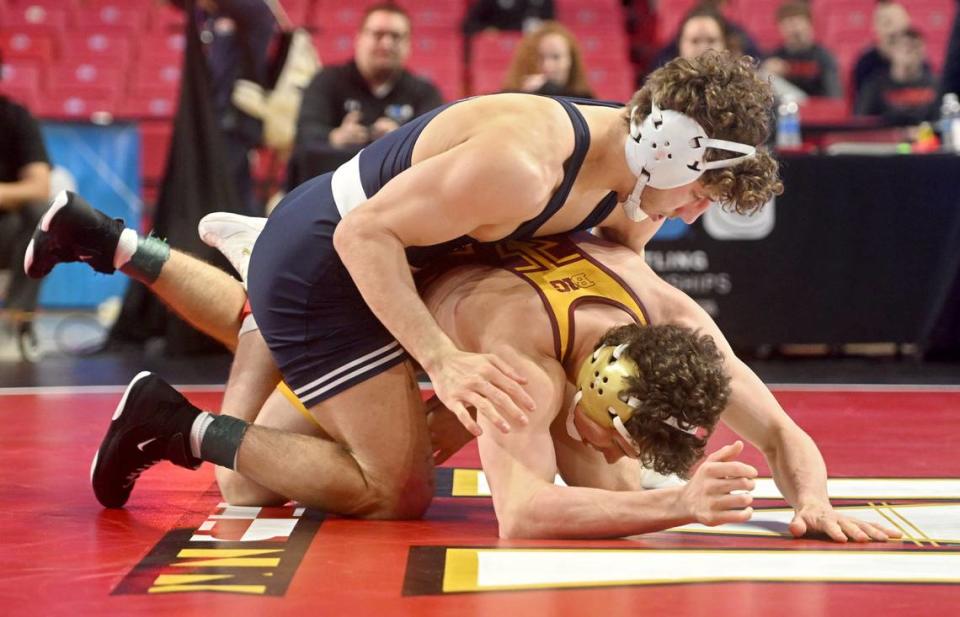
(28, 46)
(97, 47)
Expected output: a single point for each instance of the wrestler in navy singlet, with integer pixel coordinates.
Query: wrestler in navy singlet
(320, 331)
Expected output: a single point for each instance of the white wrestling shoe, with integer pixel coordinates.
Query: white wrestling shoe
(233, 235)
(651, 479)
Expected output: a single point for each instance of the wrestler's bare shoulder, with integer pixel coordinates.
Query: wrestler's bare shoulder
(485, 309)
(505, 124)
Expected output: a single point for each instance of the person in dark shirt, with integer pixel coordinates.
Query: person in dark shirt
(548, 61)
(347, 106)
(800, 60)
(907, 94)
(24, 190)
(950, 80)
(889, 19)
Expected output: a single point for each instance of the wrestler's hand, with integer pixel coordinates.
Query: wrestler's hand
(706, 497)
(447, 434)
(824, 519)
(484, 382)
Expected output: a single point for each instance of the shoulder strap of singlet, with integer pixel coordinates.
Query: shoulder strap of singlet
(571, 167)
(564, 277)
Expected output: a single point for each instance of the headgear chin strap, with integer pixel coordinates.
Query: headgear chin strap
(601, 383)
(667, 151)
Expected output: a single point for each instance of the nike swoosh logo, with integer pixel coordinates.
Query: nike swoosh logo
(143, 444)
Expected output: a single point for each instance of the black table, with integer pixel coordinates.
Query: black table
(857, 249)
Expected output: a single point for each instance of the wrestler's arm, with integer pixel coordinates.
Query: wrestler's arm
(797, 464)
(440, 199)
(520, 468)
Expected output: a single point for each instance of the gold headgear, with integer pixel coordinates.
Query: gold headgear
(601, 386)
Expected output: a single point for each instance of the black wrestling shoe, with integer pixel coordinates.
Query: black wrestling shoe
(72, 230)
(151, 423)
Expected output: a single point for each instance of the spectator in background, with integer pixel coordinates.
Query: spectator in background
(700, 34)
(347, 106)
(506, 15)
(889, 19)
(907, 93)
(237, 34)
(800, 60)
(548, 61)
(24, 191)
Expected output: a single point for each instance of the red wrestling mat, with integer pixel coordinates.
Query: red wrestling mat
(174, 551)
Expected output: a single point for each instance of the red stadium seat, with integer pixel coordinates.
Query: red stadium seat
(160, 105)
(447, 46)
(166, 18)
(35, 19)
(151, 74)
(335, 46)
(846, 21)
(96, 47)
(436, 16)
(26, 45)
(75, 102)
(612, 82)
(487, 79)
(596, 15)
(599, 45)
(86, 75)
(25, 96)
(22, 74)
(337, 15)
(489, 48)
(445, 73)
(110, 15)
(669, 16)
(163, 47)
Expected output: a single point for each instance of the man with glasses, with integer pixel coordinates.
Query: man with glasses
(347, 106)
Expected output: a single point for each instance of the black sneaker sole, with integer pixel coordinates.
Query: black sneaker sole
(61, 200)
(107, 442)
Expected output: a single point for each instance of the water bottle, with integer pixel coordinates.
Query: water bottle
(950, 122)
(788, 125)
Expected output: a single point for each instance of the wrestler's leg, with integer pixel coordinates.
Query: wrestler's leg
(377, 464)
(71, 230)
(206, 297)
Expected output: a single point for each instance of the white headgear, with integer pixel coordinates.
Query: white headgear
(667, 151)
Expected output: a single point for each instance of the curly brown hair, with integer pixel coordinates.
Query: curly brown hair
(726, 96)
(681, 375)
(526, 61)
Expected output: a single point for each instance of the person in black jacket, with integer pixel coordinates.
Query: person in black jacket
(347, 106)
(24, 189)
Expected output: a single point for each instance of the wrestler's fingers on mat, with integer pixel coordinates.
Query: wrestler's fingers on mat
(832, 528)
(853, 531)
(875, 532)
(460, 410)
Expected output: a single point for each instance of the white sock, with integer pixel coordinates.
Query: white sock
(199, 428)
(125, 248)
